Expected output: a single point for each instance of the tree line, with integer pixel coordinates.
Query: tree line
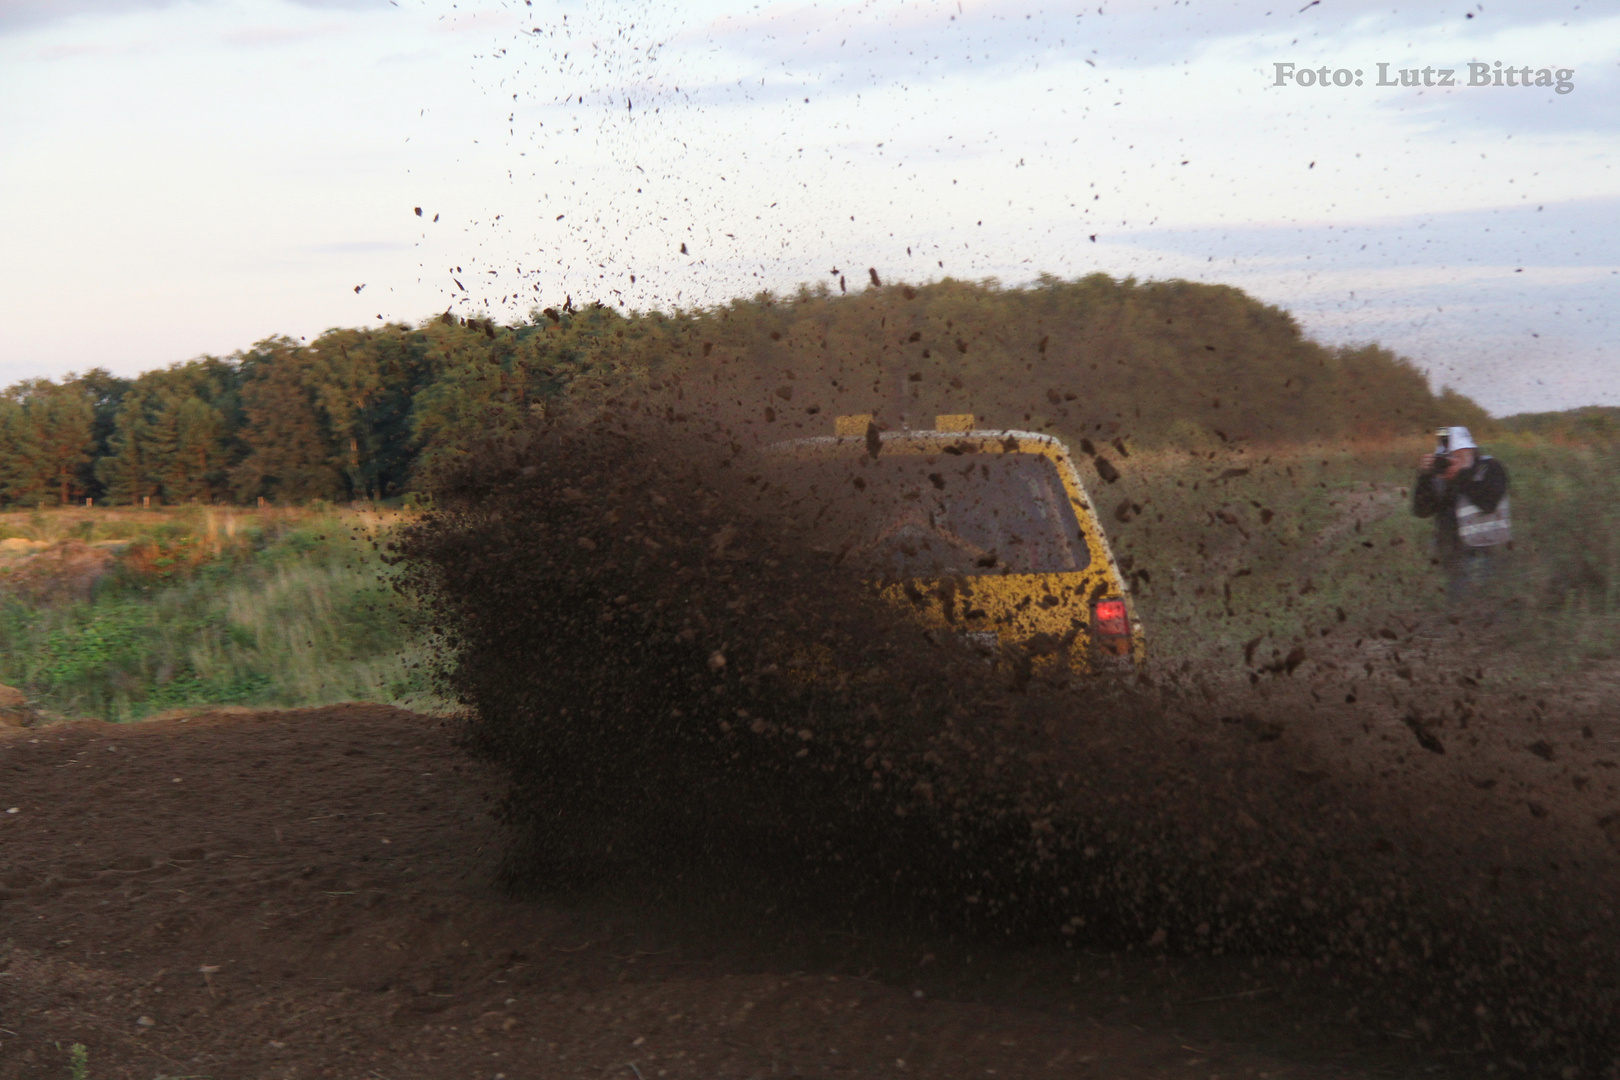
(369, 413)
(1585, 426)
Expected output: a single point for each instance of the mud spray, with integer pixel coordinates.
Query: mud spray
(672, 675)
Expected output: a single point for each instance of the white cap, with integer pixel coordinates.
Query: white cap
(1460, 439)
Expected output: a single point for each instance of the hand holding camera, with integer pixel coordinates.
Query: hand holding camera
(1437, 463)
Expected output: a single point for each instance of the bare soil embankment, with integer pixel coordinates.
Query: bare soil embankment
(311, 894)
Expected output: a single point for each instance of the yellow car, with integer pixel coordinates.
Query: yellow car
(988, 537)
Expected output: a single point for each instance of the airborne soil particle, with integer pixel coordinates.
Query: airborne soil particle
(311, 893)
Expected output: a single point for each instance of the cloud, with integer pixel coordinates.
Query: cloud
(344, 5)
(1512, 305)
(1581, 232)
(477, 21)
(357, 247)
(1593, 105)
(17, 16)
(254, 36)
(20, 15)
(873, 44)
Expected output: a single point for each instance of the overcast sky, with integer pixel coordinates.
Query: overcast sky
(180, 177)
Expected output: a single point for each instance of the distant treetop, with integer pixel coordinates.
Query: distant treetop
(368, 413)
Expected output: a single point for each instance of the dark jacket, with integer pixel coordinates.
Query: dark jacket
(1483, 484)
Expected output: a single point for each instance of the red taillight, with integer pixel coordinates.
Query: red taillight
(1110, 618)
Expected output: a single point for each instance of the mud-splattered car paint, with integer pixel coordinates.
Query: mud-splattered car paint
(987, 536)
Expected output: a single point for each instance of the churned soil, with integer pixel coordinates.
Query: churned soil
(313, 894)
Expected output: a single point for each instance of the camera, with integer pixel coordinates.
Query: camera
(1442, 451)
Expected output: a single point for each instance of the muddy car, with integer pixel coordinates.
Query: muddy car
(987, 537)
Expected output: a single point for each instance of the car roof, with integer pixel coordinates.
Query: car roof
(926, 439)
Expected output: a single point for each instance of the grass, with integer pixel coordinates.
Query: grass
(1284, 544)
(281, 608)
(1274, 548)
(1562, 583)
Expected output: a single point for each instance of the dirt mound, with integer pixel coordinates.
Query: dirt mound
(14, 709)
(61, 572)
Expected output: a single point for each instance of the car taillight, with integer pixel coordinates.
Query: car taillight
(1110, 620)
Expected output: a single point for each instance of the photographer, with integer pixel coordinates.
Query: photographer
(1466, 494)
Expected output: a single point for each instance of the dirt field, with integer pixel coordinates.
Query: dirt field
(309, 894)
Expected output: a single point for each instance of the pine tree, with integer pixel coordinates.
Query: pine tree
(191, 449)
(47, 441)
(290, 451)
(129, 471)
(65, 422)
(19, 481)
(345, 378)
(105, 392)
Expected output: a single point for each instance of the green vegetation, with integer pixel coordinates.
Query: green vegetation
(365, 414)
(1236, 527)
(1584, 426)
(1304, 547)
(1561, 584)
(289, 609)
(79, 1062)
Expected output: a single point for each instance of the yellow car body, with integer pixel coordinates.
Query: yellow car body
(987, 538)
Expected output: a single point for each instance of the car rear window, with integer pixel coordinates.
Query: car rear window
(917, 516)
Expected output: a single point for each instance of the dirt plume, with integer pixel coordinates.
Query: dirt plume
(670, 674)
